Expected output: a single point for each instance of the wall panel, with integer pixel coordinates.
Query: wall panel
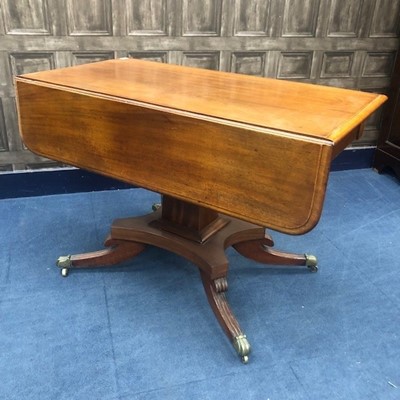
(85, 57)
(147, 17)
(344, 18)
(158, 56)
(91, 17)
(206, 60)
(300, 17)
(25, 63)
(248, 63)
(337, 65)
(201, 17)
(386, 19)
(331, 42)
(295, 65)
(252, 17)
(378, 64)
(26, 17)
(3, 133)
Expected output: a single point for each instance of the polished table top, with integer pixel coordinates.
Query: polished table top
(310, 110)
(255, 148)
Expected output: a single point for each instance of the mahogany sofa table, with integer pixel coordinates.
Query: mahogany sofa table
(230, 154)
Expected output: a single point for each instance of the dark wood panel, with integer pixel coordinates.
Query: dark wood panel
(85, 57)
(251, 17)
(6, 167)
(300, 17)
(337, 64)
(24, 63)
(378, 64)
(295, 65)
(388, 150)
(344, 18)
(147, 17)
(3, 134)
(92, 17)
(205, 60)
(386, 19)
(249, 63)
(29, 17)
(158, 56)
(202, 17)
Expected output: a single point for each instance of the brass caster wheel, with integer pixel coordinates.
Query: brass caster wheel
(155, 206)
(311, 262)
(242, 346)
(64, 272)
(64, 263)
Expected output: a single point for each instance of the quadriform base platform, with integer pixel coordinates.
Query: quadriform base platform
(230, 154)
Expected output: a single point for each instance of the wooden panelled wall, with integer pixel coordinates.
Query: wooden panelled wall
(347, 43)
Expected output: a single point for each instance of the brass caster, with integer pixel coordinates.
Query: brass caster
(314, 268)
(64, 263)
(64, 272)
(311, 262)
(155, 206)
(242, 346)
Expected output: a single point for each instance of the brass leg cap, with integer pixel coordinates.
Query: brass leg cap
(242, 347)
(311, 262)
(156, 206)
(64, 262)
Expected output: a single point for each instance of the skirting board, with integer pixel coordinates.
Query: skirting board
(72, 180)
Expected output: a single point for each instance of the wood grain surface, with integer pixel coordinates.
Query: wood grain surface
(251, 148)
(306, 109)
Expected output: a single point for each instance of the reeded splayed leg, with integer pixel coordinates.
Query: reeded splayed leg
(215, 290)
(259, 250)
(118, 251)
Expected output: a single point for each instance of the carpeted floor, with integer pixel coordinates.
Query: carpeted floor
(144, 330)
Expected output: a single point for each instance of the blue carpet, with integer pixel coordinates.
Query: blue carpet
(144, 330)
